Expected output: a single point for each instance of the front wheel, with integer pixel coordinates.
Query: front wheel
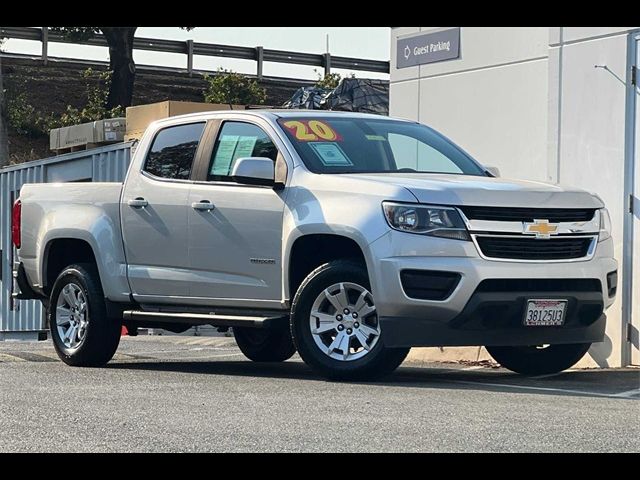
(335, 326)
(539, 360)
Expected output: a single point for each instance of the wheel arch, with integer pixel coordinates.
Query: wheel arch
(59, 253)
(308, 251)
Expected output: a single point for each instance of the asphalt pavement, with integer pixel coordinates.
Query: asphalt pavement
(184, 394)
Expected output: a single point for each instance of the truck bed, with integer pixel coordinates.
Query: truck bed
(84, 211)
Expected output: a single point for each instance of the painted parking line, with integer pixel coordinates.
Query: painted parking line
(5, 357)
(179, 355)
(28, 357)
(628, 394)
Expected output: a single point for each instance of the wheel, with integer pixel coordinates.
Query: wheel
(265, 345)
(539, 360)
(335, 327)
(82, 334)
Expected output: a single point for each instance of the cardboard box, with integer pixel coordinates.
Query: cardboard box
(87, 135)
(140, 116)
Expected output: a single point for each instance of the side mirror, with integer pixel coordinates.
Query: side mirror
(494, 171)
(254, 171)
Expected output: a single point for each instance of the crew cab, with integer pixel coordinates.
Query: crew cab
(346, 237)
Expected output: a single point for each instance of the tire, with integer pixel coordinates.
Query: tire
(97, 337)
(319, 350)
(539, 360)
(265, 345)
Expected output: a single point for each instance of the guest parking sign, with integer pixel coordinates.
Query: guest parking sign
(423, 48)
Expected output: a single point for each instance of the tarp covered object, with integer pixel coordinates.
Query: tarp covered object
(307, 97)
(359, 95)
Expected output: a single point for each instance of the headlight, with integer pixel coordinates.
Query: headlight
(605, 224)
(425, 220)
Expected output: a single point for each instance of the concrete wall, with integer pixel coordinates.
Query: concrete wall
(529, 101)
(491, 102)
(590, 139)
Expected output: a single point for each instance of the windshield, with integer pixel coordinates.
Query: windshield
(357, 145)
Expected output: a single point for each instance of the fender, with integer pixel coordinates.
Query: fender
(99, 227)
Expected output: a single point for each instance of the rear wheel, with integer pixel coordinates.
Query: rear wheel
(265, 345)
(82, 333)
(539, 360)
(335, 325)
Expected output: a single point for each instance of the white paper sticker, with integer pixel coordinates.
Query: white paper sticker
(330, 153)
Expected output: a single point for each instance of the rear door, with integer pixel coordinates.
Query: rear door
(154, 215)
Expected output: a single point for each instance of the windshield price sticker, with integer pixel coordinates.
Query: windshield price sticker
(331, 155)
(312, 131)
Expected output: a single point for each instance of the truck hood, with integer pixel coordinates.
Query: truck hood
(445, 189)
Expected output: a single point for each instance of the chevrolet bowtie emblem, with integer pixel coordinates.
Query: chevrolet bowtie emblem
(541, 228)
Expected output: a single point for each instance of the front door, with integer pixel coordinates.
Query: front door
(235, 231)
(154, 216)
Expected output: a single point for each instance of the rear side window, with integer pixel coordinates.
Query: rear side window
(173, 150)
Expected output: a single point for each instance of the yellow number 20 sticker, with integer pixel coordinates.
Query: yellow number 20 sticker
(312, 130)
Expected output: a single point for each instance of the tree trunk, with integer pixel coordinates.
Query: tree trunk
(4, 137)
(120, 40)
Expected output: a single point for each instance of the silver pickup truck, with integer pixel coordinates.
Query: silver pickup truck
(348, 238)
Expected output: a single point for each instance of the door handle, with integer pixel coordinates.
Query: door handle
(138, 202)
(203, 205)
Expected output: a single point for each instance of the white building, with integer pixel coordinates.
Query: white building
(555, 104)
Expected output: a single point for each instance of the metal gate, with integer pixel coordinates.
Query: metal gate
(24, 318)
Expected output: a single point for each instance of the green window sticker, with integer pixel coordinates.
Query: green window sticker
(224, 154)
(378, 138)
(245, 147)
(330, 154)
(230, 148)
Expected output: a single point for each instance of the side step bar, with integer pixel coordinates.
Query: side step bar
(207, 319)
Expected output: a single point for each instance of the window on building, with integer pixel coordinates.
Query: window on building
(173, 150)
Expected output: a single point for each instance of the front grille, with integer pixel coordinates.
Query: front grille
(555, 285)
(534, 249)
(429, 284)
(508, 214)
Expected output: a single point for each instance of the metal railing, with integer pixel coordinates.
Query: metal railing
(191, 48)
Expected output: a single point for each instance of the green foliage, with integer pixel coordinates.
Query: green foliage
(233, 89)
(76, 34)
(26, 120)
(21, 115)
(330, 80)
(97, 88)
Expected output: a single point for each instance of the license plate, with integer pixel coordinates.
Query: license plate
(544, 313)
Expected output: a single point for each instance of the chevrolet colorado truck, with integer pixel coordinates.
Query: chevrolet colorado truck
(348, 238)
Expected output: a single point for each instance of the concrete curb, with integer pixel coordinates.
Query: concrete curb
(422, 355)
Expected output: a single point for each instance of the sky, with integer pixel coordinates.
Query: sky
(360, 42)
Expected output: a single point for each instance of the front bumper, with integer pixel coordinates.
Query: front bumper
(471, 317)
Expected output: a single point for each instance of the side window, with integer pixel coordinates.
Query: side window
(173, 150)
(409, 152)
(238, 140)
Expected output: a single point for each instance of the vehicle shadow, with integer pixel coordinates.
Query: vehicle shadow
(589, 383)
